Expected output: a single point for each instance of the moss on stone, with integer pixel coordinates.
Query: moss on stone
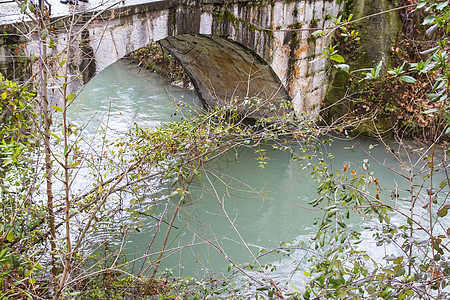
(174, 17)
(376, 35)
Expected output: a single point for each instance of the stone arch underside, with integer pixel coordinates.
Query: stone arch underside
(223, 70)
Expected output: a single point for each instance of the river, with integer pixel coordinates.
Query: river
(268, 206)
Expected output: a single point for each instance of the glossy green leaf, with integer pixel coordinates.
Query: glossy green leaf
(407, 79)
(343, 67)
(57, 108)
(10, 236)
(73, 165)
(441, 5)
(429, 20)
(421, 4)
(444, 210)
(337, 58)
(70, 97)
(430, 111)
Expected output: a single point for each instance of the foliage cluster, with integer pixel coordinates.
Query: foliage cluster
(400, 98)
(410, 223)
(17, 127)
(415, 238)
(19, 213)
(347, 40)
(157, 59)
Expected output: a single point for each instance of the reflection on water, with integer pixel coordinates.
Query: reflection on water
(267, 206)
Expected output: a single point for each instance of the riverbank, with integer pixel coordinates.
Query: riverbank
(400, 93)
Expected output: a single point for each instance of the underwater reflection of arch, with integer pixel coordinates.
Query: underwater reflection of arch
(222, 69)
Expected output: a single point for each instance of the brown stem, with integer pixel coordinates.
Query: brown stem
(166, 237)
(66, 182)
(48, 153)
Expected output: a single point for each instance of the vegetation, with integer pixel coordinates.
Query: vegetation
(397, 100)
(411, 97)
(19, 183)
(49, 246)
(157, 59)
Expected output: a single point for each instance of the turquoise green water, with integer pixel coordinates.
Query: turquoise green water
(247, 208)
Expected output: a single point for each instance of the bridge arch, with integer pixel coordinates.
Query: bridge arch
(237, 24)
(222, 70)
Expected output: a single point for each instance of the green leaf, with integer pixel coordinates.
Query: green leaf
(376, 72)
(10, 236)
(441, 5)
(429, 20)
(337, 58)
(388, 271)
(444, 210)
(4, 95)
(62, 63)
(317, 32)
(75, 164)
(430, 111)
(55, 136)
(433, 95)
(3, 253)
(70, 97)
(342, 224)
(57, 108)
(398, 260)
(430, 50)
(421, 4)
(23, 7)
(407, 79)
(343, 67)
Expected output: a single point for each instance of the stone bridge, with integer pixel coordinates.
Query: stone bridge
(232, 49)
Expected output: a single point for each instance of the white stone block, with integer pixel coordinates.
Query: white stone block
(160, 26)
(206, 21)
